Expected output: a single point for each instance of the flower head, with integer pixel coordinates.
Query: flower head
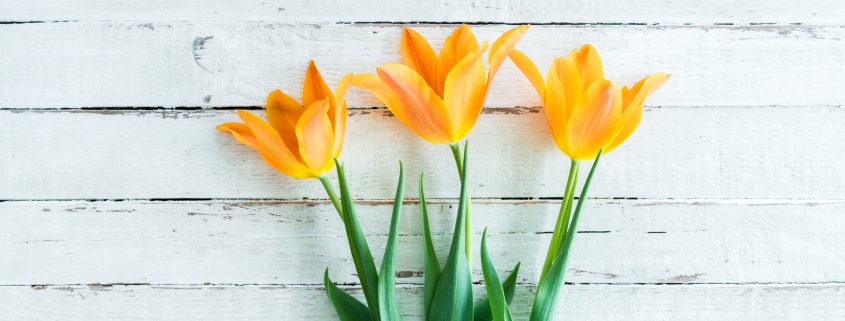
(439, 96)
(299, 140)
(587, 112)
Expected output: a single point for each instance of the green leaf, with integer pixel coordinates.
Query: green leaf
(361, 255)
(432, 265)
(453, 297)
(548, 291)
(495, 293)
(482, 308)
(387, 280)
(347, 307)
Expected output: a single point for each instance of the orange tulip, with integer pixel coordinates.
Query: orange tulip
(439, 97)
(585, 111)
(299, 140)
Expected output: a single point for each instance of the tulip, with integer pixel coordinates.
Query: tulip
(299, 140)
(439, 97)
(587, 113)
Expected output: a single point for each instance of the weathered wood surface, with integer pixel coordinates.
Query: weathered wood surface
(236, 64)
(764, 152)
(798, 302)
(535, 11)
(268, 242)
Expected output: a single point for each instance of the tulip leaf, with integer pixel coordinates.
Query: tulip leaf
(432, 265)
(347, 307)
(548, 291)
(387, 278)
(361, 255)
(495, 294)
(482, 308)
(452, 299)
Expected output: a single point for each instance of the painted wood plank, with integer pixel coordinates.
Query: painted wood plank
(237, 64)
(823, 302)
(764, 152)
(264, 242)
(540, 11)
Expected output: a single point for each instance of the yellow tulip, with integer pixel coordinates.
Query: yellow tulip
(439, 97)
(299, 140)
(585, 111)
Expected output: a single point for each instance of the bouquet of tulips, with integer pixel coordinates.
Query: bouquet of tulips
(440, 97)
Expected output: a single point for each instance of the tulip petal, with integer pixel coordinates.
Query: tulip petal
(418, 54)
(316, 137)
(244, 135)
(561, 93)
(338, 113)
(501, 48)
(464, 92)
(282, 113)
(314, 88)
(272, 147)
(594, 120)
(529, 70)
(589, 65)
(460, 43)
(632, 106)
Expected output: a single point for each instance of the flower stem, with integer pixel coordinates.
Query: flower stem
(332, 195)
(563, 215)
(456, 153)
(573, 227)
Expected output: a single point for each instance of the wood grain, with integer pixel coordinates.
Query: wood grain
(236, 64)
(537, 11)
(265, 242)
(762, 152)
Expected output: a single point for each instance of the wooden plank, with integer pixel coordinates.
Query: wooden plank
(261, 242)
(822, 302)
(540, 11)
(237, 64)
(789, 152)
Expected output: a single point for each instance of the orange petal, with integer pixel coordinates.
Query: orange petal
(244, 135)
(315, 88)
(529, 70)
(316, 137)
(501, 48)
(417, 54)
(632, 106)
(594, 120)
(412, 101)
(589, 64)
(464, 92)
(562, 91)
(460, 43)
(338, 113)
(283, 112)
(271, 146)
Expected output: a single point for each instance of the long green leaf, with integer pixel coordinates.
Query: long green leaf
(495, 293)
(387, 278)
(432, 265)
(548, 292)
(347, 307)
(361, 255)
(453, 296)
(482, 308)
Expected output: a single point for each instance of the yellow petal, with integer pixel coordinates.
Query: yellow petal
(244, 135)
(562, 91)
(283, 112)
(594, 120)
(316, 137)
(338, 113)
(501, 49)
(271, 146)
(529, 70)
(464, 92)
(632, 106)
(460, 43)
(589, 65)
(417, 54)
(315, 88)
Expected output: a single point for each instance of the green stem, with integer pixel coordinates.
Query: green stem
(573, 227)
(562, 217)
(456, 153)
(332, 195)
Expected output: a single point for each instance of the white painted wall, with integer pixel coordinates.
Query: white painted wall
(117, 203)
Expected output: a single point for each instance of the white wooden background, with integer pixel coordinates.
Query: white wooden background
(119, 200)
